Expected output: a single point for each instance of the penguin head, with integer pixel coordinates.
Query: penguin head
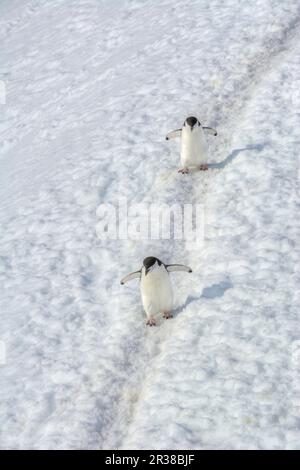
(150, 263)
(191, 122)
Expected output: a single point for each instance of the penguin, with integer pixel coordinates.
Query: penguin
(155, 286)
(194, 148)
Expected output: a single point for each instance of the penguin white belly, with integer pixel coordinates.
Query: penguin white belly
(156, 291)
(193, 148)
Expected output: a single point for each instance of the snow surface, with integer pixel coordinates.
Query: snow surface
(92, 89)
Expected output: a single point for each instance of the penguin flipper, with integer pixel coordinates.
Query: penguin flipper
(210, 130)
(131, 276)
(178, 267)
(173, 134)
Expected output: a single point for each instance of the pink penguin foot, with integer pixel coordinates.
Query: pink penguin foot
(203, 167)
(151, 322)
(167, 315)
(183, 171)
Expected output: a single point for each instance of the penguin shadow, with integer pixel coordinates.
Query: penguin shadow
(233, 155)
(212, 292)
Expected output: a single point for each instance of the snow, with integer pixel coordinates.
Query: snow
(92, 87)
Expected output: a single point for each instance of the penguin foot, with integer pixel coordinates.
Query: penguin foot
(167, 315)
(183, 171)
(203, 167)
(151, 322)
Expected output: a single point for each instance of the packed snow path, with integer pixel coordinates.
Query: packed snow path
(91, 90)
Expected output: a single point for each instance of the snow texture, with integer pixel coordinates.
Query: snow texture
(92, 88)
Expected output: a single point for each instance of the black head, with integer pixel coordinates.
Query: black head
(191, 122)
(150, 261)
